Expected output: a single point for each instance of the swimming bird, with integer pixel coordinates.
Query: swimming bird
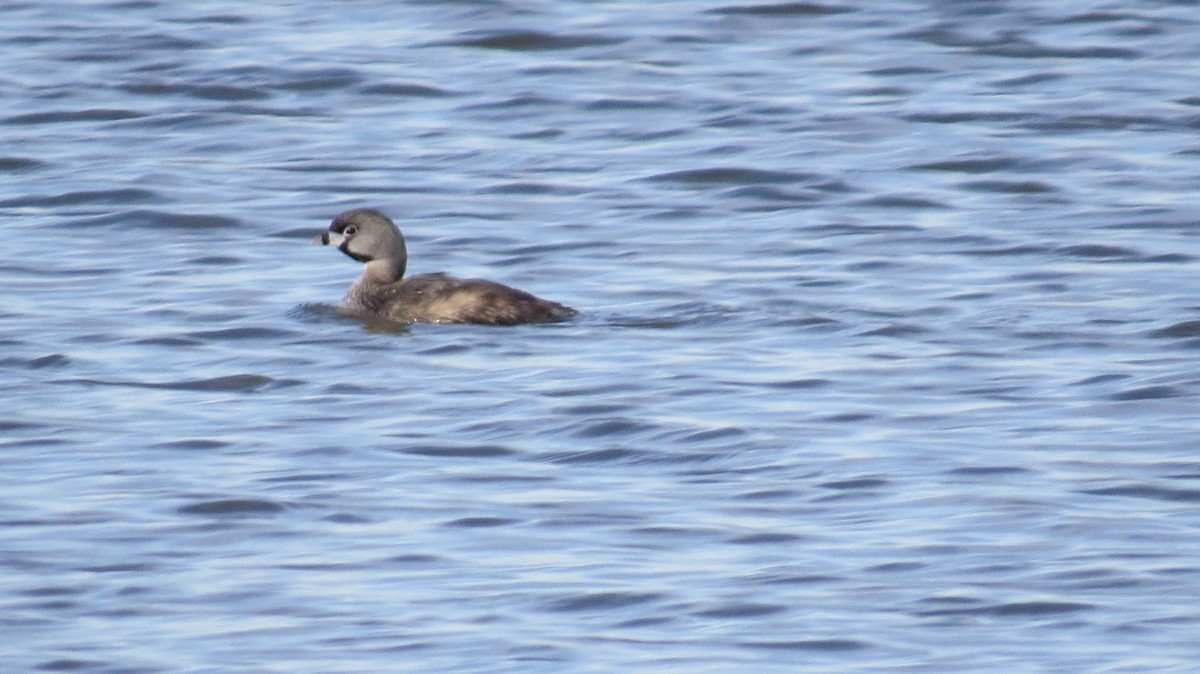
(369, 236)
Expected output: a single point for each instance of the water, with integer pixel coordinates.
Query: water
(886, 360)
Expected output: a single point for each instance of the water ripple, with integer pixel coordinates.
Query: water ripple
(233, 508)
(602, 601)
(730, 175)
(528, 40)
(782, 9)
(245, 383)
(69, 116)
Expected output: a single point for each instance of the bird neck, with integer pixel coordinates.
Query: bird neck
(384, 270)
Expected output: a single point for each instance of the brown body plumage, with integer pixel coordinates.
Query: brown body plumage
(370, 237)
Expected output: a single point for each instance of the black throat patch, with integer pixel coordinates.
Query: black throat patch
(361, 258)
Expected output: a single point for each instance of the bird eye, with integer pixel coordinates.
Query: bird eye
(350, 231)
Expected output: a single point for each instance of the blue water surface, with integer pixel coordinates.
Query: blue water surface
(886, 359)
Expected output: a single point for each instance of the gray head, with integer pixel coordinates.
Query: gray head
(368, 236)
